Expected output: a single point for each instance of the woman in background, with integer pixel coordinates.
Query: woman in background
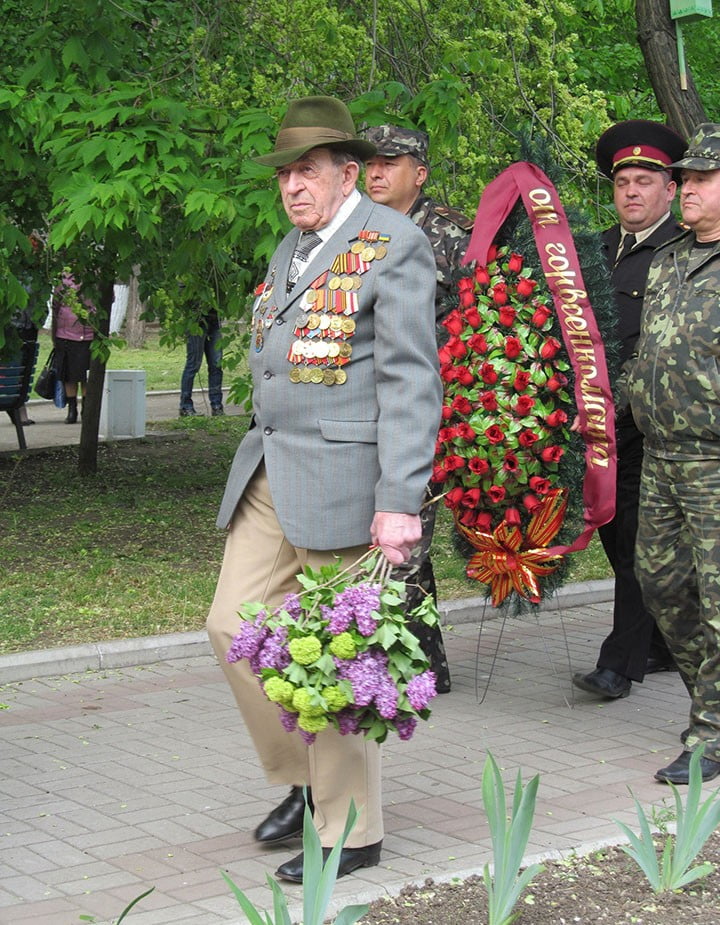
(72, 335)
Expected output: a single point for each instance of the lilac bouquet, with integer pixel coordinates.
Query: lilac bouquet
(339, 652)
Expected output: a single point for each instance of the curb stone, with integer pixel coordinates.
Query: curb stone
(128, 653)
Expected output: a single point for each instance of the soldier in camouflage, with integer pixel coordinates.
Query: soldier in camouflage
(395, 177)
(674, 388)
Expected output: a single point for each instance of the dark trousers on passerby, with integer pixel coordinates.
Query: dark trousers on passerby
(419, 578)
(635, 635)
(206, 344)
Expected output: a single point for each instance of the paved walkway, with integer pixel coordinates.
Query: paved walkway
(125, 765)
(116, 780)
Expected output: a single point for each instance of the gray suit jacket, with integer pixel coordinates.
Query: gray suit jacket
(335, 455)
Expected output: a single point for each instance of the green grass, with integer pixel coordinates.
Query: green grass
(134, 550)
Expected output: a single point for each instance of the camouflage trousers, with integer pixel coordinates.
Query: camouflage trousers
(677, 562)
(419, 578)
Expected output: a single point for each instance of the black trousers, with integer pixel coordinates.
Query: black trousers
(634, 636)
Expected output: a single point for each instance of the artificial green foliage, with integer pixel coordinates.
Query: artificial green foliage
(509, 836)
(318, 883)
(694, 824)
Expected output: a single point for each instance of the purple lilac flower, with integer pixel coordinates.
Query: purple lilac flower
(288, 720)
(348, 722)
(338, 618)
(273, 653)
(386, 698)
(405, 727)
(356, 603)
(247, 641)
(291, 604)
(365, 673)
(307, 737)
(421, 690)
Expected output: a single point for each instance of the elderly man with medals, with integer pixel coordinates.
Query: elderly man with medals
(346, 406)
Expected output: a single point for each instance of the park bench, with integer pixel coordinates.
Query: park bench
(16, 376)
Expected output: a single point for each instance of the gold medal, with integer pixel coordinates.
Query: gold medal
(305, 374)
(347, 325)
(357, 248)
(334, 283)
(336, 323)
(357, 282)
(346, 284)
(340, 376)
(380, 251)
(295, 375)
(316, 376)
(313, 321)
(368, 254)
(328, 377)
(344, 350)
(310, 296)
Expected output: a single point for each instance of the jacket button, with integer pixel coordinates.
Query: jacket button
(267, 374)
(279, 321)
(268, 430)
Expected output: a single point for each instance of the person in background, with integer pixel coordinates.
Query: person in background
(340, 446)
(207, 344)
(395, 177)
(674, 388)
(72, 335)
(636, 155)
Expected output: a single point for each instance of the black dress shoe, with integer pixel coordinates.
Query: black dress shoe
(286, 820)
(604, 682)
(679, 771)
(350, 859)
(659, 664)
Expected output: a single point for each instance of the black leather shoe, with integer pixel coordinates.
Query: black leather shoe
(350, 859)
(604, 682)
(286, 820)
(679, 771)
(659, 664)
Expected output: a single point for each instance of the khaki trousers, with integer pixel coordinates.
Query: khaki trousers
(260, 565)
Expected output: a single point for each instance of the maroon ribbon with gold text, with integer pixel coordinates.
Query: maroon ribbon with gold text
(577, 323)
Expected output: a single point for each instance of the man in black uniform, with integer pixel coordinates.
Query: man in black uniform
(636, 156)
(395, 177)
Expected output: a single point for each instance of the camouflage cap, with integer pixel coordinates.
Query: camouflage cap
(703, 152)
(392, 141)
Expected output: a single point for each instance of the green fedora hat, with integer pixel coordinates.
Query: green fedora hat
(315, 122)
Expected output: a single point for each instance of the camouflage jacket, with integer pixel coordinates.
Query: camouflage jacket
(674, 382)
(449, 233)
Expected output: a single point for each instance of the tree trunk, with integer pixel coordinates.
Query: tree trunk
(134, 325)
(92, 398)
(658, 43)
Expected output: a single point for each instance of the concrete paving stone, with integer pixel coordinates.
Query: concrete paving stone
(50, 912)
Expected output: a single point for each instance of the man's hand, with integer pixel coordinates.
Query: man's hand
(396, 534)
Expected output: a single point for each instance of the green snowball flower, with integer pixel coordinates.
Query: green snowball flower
(305, 651)
(303, 703)
(335, 699)
(279, 691)
(312, 723)
(343, 646)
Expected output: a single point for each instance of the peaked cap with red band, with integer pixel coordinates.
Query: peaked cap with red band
(638, 143)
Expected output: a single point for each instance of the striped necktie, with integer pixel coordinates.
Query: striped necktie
(307, 242)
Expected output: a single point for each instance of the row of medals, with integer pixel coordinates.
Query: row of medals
(322, 335)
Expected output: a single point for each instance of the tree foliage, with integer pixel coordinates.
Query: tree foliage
(127, 131)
